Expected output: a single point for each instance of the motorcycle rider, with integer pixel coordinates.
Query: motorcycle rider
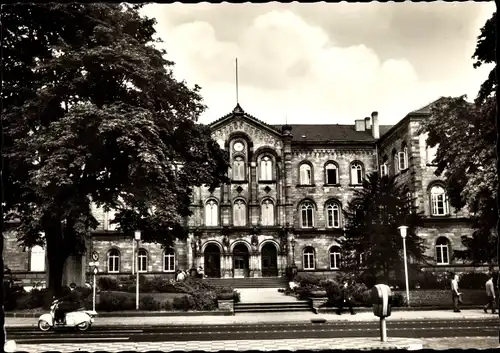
(70, 302)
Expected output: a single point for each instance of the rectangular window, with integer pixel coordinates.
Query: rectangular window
(402, 161)
(169, 263)
(113, 264)
(307, 218)
(308, 261)
(383, 169)
(331, 176)
(442, 255)
(335, 261)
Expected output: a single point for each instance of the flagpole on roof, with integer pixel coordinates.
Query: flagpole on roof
(237, 98)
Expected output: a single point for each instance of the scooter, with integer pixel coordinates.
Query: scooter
(81, 319)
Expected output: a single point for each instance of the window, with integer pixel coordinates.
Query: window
(403, 159)
(142, 261)
(442, 251)
(439, 203)
(266, 168)
(356, 173)
(169, 260)
(305, 174)
(239, 213)
(37, 259)
(334, 258)
(308, 262)
(331, 174)
(114, 261)
(211, 213)
(238, 168)
(108, 217)
(267, 213)
(333, 215)
(395, 162)
(306, 215)
(383, 169)
(431, 153)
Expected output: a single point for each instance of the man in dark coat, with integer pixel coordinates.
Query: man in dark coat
(70, 302)
(345, 299)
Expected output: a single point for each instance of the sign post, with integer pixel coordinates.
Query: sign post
(95, 270)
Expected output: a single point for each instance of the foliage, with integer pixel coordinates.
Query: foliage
(115, 301)
(304, 279)
(473, 280)
(372, 221)
(466, 156)
(93, 114)
(183, 303)
(107, 283)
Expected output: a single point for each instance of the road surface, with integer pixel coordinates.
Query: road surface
(412, 329)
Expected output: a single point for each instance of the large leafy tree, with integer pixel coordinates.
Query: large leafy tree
(93, 114)
(466, 156)
(372, 220)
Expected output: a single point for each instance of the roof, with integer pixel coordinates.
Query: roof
(428, 107)
(332, 132)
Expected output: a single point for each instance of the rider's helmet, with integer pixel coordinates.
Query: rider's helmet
(72, 285)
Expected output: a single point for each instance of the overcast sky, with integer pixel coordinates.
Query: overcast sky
(324, 63)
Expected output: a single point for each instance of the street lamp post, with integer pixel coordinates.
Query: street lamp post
(294, 266)
(137, 236)
(403, 230)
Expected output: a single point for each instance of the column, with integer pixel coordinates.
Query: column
(228, 266)
(290, 251)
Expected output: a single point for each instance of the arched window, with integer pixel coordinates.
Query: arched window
(266, 168)
(333, 215)
(211, 213)
(308, 258)
(439, 202)
(356, 173)
(334, 258)
(37, 259)
(169, 260)
(267, 213)
(442, 251)
(331, 174)
(305, 174)
(142, 260)
(238, 168)
(239, 213)
(307, 215)
(114, 261)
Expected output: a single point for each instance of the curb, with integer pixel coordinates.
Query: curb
(333, 310)
(133, 313)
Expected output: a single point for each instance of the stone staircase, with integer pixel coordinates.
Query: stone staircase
(262, 282)
(299, 305)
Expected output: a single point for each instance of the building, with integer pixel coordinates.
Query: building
(283, 205)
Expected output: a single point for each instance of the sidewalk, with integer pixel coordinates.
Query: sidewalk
(253, 318)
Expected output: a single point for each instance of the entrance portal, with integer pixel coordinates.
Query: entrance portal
(240, 261)
(212, 261)
(269, 256)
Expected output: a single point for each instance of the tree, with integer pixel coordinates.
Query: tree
(93, 114)
(372, 220)
(466, 135)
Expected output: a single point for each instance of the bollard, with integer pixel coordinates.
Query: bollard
(381, 299)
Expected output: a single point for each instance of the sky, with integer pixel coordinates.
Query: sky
(323, 63)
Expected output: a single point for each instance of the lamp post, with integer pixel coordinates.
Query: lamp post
(294, 266)
(403, 230)
(193, 255)
(137, 236)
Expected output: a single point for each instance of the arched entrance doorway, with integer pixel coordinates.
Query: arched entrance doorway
(212, 261)
(240, 261)
(269, 256)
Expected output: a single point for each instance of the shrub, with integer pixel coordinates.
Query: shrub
(305, 279)
(473, 280)
(398, 299)
(107, 283)
(166, 305)
(225, 296)
(148, 302)
(236, 296)
(183, 303)
(162, 285)
(111, 301)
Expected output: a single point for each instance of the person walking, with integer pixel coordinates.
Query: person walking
(490, 292)
(345, 299)
(455, 294)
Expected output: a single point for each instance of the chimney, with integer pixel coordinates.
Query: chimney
(375, 128)
(368, 123)
(359, 125)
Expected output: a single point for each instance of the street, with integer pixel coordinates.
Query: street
(486, 327)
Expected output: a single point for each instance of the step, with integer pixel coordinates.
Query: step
(300, 303)
(267, 310)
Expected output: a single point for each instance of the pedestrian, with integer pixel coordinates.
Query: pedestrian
(345, 299)
(455, 294)
(201, 273)
(181, 276)
(490, 292)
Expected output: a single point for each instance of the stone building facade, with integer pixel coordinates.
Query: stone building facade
(284, 204)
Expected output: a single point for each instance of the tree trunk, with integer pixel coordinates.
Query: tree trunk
(56, 255)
